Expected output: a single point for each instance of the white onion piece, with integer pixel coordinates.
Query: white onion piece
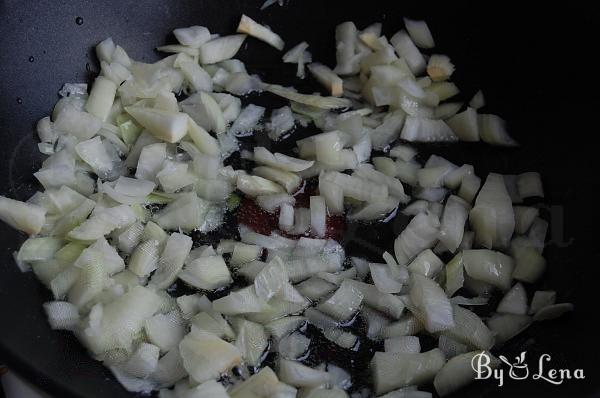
(333, 195)
(453, 221)
(282, 120)
(552, 311)
(388, 278)
(387, 303)
(208, 273)
(167, 126)
(192, 36)
(62, 315)
(419, 32)
(250, 27)
(470, 330)
(261, 384)
(394, 185)
(282, 327)
(187, 212)
(432, 304)
(198, 79)
(541, 298)
(171, 260)
(395, 370)
(204, 110)
(356, 188)
(389, 130)
(478, 100)
(507, 326)
(341, 337)
(150, 161)
(273, 202)
(426, 263)
(385, 165)
(247, 121)
(524, 218)
(514, 301)
(103, 222)
(271, 279)
(468, 187)
(307, 99)
(529, 263)
(205, 356)
(451, 347)
(402, 344)
(178, 49)
(77, 123)
(257, 186)
(343, 303)
(280, 161)
(420, 234)
(530, 185)
(318, 215)
(192, 304)
(489, 266)
(458, 372)
(492, 217)
(492, 130)
(426, 130)
(447, 110)
(242, 301)
(25, 217)
(375, 210)
(407, 325)
(327, 78)
(465, 125)
(345, 38)
(220, 49)
(288, 180)
(101, 98)
(315, 288)
(408, 51)
(439, 67)
(299, 375)
(293, 55)
(293, 346)
(251, 341)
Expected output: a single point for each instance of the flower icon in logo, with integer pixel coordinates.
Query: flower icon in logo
(519, 369)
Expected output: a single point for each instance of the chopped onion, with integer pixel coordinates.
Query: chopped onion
(208, 273)
(452, 224)
(171, 260)
(514, 301)
(285, 179)
(451, 347)
(204, 111)
(552, 311)
(439, 67)
(489, 266)
(426, 263)
(247, 121)
(251, 341)
(343, 303)
(507, 326)
(307, 99)
(458, 372)
(101, 98)
(432, 304)
(426, 130)
(492, 217)
(62, 315)
(541, 299)
(327, 78)
(403, 344)
(408, 51)
(419, 32)
(299, 375)
(492, 130)
(395, 370)
(478, 100)
(293, 346)
(420, 234)
(387, 303)
(193, 36)
(465, 125)
(262, 384)
(220, 49)
(250, 27)
(469, 330)
(205, 356)
(280, 161)
(388, 278)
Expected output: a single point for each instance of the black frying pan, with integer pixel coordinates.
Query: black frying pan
(531, 64)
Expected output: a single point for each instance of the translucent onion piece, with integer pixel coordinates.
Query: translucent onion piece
(420, 234)
(298, 375)
(403, 344)
(514, 301)
(432, 304)
(250, 27)
(469, 330)
(507, 326)
(453, 222)
(220, 49)
(395, 370)
(458, 372)
(541, 298)
(426, 130)
(343, 303)
(552, 311)
(419, 32)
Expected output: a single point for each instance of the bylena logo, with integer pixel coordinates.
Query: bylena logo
(487, 367)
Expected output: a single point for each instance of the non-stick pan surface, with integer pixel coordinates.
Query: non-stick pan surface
(536, 67)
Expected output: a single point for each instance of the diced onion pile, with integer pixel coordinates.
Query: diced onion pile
(131, 171)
